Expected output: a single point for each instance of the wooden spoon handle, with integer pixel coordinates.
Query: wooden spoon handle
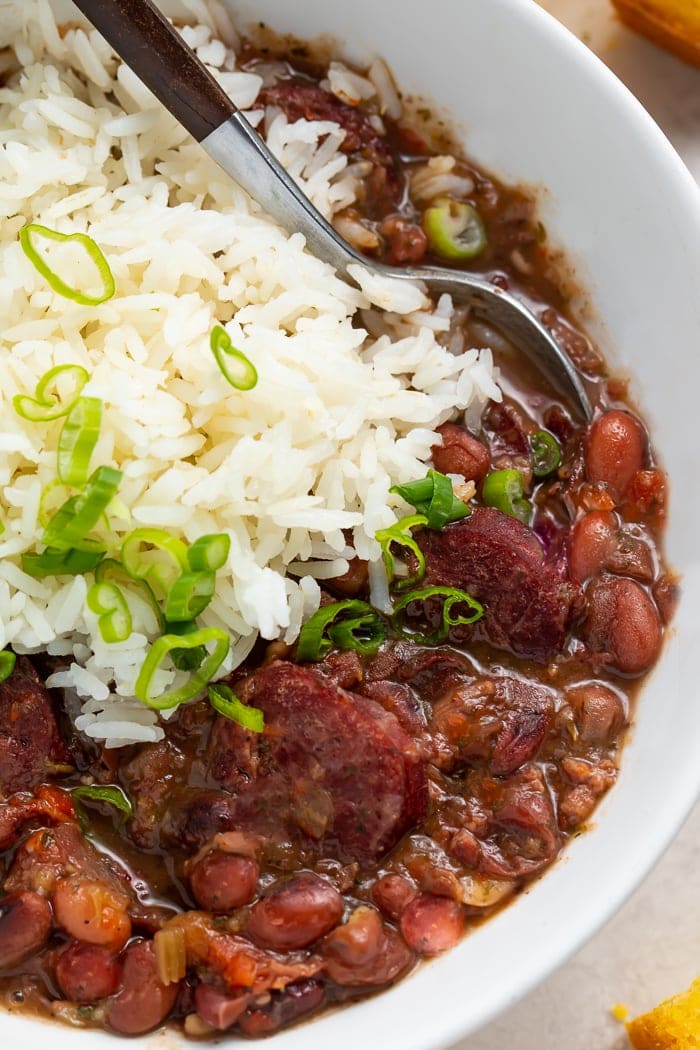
(156, 52)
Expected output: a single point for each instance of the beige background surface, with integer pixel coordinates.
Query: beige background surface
(652, 947)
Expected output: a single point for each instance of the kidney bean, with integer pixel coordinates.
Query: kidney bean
(352, 583)
(218, 1009)
(623, 623)
(87, 972)
(364, 952)
(92, 911)
(460, 453)
(223, 881)
(391, 894)
(593, 541)
(284, 1008)
(615, 450)
(25, 925)
(431, 925)
(144, 1001)
(295, 914)
(599, 712)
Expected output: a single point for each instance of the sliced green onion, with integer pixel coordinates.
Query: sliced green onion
(399, 535)
(156, 556)
(79, 514)
(111, 571)
(111, 794)
(186, 659)
(71, 562)
(503, 489)
(434, 497)
(162, 647)
(45, 406)
(28, 236)
(44, 514)
(209, 553)
(452, 597)
(225, 701)
(235, 367)
(189, 596)
(108, 602)
(7, 664)
(351, 624)
(546, 453)
(454, 229)
(77, 440)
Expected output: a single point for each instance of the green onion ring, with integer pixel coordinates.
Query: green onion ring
(350, 624)
(77, 440)
(503, 489)
(79, 514)
(44, 406)
(234, 366)
(7, 663)
(112, 571)
(55, 282)
(185, 659)
(108, 602)
(452, 596)
(225, 701)
(71, 562)
(160, 566)
(546, 453)
(209, 553)
(161, 648)
(454, 229)
(434, 497)
(189, 596)
(400, 535)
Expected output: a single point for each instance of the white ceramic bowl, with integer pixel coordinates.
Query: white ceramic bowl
(537, 107)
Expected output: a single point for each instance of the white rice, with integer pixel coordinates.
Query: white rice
(286, 469)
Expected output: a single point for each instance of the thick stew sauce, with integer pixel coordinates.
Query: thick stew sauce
(398, 793)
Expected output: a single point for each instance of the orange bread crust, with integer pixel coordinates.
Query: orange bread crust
(673, 1025)
(674, 24)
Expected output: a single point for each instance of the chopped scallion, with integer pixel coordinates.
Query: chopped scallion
(71, 562)
(434, 497)
(108, 602)
(225, 701)
(189, 596)
(399, 535)
(111, 571)
(156, 556)
(503, 489)
(45, 405)
(7, 663)
(159, 651)
(71, 523)
(350, 624)
(209, 553)
(452, 597)
(546, 453)
(109, 793)
(185, 659)
(30, 235)
(454, 229)
(235, 367)
(77, 440)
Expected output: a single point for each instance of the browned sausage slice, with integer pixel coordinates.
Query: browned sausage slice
(29, 737)
(528, 607)
(326, 748)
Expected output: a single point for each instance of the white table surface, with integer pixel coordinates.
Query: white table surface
(651, 949)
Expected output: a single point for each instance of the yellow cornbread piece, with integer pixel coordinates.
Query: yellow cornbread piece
(674, 24)
(673, 1025)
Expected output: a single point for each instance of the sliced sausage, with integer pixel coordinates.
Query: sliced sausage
(622, 624)
(615, 450)
(143, 1001)
(295, 914)
(528, 607)
(368, 777)
(460, 453)
(87, 972)
(29, 739)
(25, 926)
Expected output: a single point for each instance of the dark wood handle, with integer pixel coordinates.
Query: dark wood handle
(156, 52)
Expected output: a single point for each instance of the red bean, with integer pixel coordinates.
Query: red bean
(25, 925)
(87, 972)
(460, 453)
(593, 541)
(223, 881)
(615, 450)
(92, 911)
(219, 1009)
(391, 894)
(432, 924)
(622, 623)
(354, 582)
(295, 914)
(364, 952)
(144, 1001)
(599, 712)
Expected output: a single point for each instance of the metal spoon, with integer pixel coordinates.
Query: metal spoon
(156, 52)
